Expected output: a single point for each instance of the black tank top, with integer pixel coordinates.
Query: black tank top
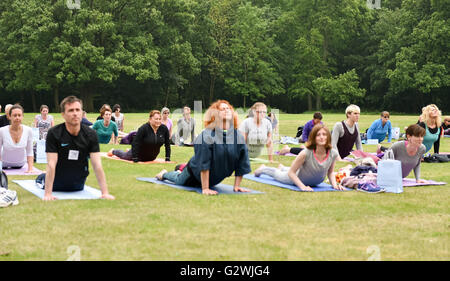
(346, 142)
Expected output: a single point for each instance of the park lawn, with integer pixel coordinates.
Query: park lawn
(155, 222)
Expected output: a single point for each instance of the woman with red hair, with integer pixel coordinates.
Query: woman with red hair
(219, 151)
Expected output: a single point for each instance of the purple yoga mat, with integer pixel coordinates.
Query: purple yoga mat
(412, 182)
(287, 154)
(21, 171)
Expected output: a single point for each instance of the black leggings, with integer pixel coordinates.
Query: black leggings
(296, 150)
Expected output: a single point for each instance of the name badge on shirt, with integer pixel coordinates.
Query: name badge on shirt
(73, 154)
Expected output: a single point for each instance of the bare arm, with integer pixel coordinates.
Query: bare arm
(298, 162)
(100, 175)
(204, 176)
(332, 178)
(269, 146)
(237, 184)
(52, 159)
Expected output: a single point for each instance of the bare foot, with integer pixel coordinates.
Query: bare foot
(110, 154)
(159, 176)
(258, 171)
(378, 148)
(286, 149)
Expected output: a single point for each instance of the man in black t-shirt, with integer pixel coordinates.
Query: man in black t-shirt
(69, 146)
(4, 120)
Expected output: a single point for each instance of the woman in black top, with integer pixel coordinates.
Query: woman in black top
(148, 141)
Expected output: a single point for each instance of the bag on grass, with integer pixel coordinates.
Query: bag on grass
(436, 158)
(299, 132)
(3, 180)
(390, 175)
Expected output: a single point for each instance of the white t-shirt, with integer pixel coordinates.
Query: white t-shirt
(257, 135)
(14, 154)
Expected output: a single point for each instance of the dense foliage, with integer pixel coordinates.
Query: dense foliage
(295, 55)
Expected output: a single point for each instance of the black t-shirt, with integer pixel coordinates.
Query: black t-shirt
(4, 121)
(73, 154)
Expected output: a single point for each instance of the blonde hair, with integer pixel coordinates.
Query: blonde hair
(425, 117)
(352, 108)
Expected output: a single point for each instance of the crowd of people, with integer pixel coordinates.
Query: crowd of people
(224, 147)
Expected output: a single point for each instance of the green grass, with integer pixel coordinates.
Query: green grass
(154, 222)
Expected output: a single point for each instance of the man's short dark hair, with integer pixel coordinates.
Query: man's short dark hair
(69, 99)
(317, 115)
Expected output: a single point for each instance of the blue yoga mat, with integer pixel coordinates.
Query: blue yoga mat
(87, 193)
(220, 188)
(270, 181)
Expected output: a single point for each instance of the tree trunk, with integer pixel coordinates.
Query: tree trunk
(56, 99)
(88, 100)
(211, 88)
(310, 103)
(33, 101)
(167, 96)
(318, 102)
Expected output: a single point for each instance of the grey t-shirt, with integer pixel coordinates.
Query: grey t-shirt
(408, 162)
(312, 173)
(257, 135)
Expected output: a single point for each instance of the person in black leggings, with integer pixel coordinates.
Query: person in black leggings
(147, 142)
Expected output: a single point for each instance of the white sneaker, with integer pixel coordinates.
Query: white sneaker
(7, 198)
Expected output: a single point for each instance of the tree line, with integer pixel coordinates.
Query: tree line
(294, 55)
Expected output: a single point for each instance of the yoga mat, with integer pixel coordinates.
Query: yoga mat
(21, 171)
(412, 182)
(156, 161)
(287, 154)
(220, 188)
(270, 181)
(87, 193)
(259, 160)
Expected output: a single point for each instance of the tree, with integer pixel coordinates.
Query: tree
(340, 90)
(251, 68)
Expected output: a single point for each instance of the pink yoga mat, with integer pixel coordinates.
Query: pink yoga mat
(156, 161)
(21, 171)
(412, 182)
(287, 154)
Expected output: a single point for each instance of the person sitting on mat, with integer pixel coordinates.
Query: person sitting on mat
(219, 151)
(380, 128)
(147, 142)
(312, 164)
(430, 120)
(106, 128)
(16, 141)
(43, 121)
(446, 126)
(185, 128)
(4, 119)
(317, 119)
(346, 133)
(69, 145)
(257, 131)
(409, 152)
(166, 120)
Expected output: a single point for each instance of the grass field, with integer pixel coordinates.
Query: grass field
(154, 222)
